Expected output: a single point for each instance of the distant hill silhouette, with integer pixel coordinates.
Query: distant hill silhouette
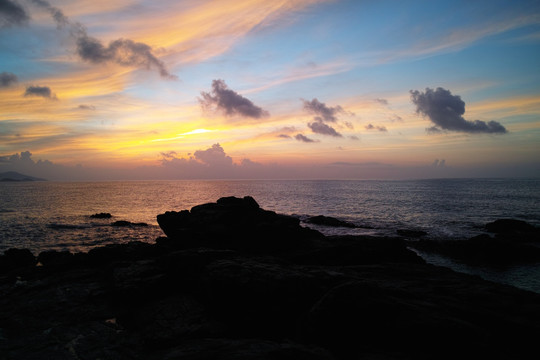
(15, 176)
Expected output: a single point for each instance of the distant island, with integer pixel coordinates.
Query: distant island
(15, 176)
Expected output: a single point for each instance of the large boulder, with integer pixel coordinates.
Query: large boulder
(16, 259)
(509, 225)
(329, 221)
(238, 224)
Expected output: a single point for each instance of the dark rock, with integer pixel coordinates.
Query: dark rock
(238, 224)
(56, 259)
(101, 216)
(246, 349)
(168, 319)
(363, 317)
(510, 225)
(113, 253)
(358, 250)
(121, 223)
(483, 250)
(329, 221)
(16, 259)
(233, 281)
(261, 297)
(411, 233)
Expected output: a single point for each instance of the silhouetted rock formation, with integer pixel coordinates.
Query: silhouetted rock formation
(15, 176)
(515, 242)
(510, 225)
(239, 224)
(329, 221)
(411, 233)
(216, 289)
(121, 223)
(101, 216)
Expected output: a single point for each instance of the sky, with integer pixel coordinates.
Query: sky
(258, 89)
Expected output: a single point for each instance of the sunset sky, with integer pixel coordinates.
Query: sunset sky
(256, 89)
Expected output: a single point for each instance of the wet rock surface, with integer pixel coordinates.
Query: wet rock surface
(515, 242)
(216, 288)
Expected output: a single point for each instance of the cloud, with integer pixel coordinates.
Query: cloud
(86, 107)
(381, 101)
(214, 156)
(319, 127)
(323, 112)
(303, 138)
(284, 136)
(168, 154)
(12, 13)
(41, 91)
(446, 112)
(124, 52)
(379, 128)
(7, 79)
(230, 102)
(57, 14)
(395, 118)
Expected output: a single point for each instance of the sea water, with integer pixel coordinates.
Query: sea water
(44, 216)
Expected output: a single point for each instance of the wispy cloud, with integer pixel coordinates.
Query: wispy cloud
(124, 52)
(380, 128)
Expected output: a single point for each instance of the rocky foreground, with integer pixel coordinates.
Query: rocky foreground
(233, 281)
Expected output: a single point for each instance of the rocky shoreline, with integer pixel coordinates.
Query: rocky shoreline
(234, 281)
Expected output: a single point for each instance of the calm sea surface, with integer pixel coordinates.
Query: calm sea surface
(56, 215)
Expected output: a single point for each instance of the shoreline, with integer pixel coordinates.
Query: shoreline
(234, 281)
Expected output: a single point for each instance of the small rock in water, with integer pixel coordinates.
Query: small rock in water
(411, 233)
(121, 223)
(509, 225)
(101, 216)
(329, 221)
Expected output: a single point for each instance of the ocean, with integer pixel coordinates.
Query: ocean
(44, 216)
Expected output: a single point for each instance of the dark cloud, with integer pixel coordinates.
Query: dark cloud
(319, 127)
(303, 138)
(323, 112)
(284, 136)
(354, 137)
(86, 107)
(7, 79)
(12, 13)
(230, 102)
(57, 14)
(123, 52)
(382, 101)
(379, 128)
(446, 112)
(42, 91)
